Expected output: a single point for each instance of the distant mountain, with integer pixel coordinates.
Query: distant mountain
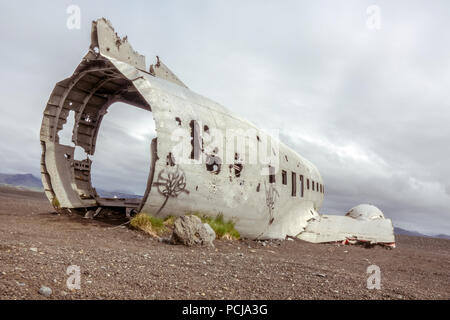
(21, 180)
(443, 236)
(404, 232)
(31, 182)
(408, 232)
(116, 194)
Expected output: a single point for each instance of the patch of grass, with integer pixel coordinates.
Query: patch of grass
(169, 221)
(55, 203)
(157, 226)
(149, 224)
(223, 229)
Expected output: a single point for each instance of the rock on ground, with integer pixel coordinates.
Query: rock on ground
(211, 231)
(189, 230)
(45, 291)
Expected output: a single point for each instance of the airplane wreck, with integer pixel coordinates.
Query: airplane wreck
(196, 166)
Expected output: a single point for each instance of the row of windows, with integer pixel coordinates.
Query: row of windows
(310, 184)
(197, 146)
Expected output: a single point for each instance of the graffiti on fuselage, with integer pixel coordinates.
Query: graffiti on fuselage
(271, 199)
(171, 182)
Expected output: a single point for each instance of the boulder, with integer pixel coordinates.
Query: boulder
(211, 231)
(45, 291)
(189, 230)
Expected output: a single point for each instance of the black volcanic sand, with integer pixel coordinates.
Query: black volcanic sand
(37, 246)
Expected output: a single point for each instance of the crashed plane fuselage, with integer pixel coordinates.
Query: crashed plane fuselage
(204, 159)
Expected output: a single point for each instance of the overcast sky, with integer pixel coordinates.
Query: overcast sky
(370, 107)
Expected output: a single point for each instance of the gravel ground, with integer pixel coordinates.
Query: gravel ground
(37, 246)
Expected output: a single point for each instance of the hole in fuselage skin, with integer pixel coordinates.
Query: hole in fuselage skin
(122, 159)
(65, 134)
(80, 153)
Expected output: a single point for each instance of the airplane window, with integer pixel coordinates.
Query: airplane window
(294, 184)
(271, 174)
(284, 176)
(301, 185)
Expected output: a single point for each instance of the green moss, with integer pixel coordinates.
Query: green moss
(222, 228)
(149, 224)
(55, 203)
(169, 221)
